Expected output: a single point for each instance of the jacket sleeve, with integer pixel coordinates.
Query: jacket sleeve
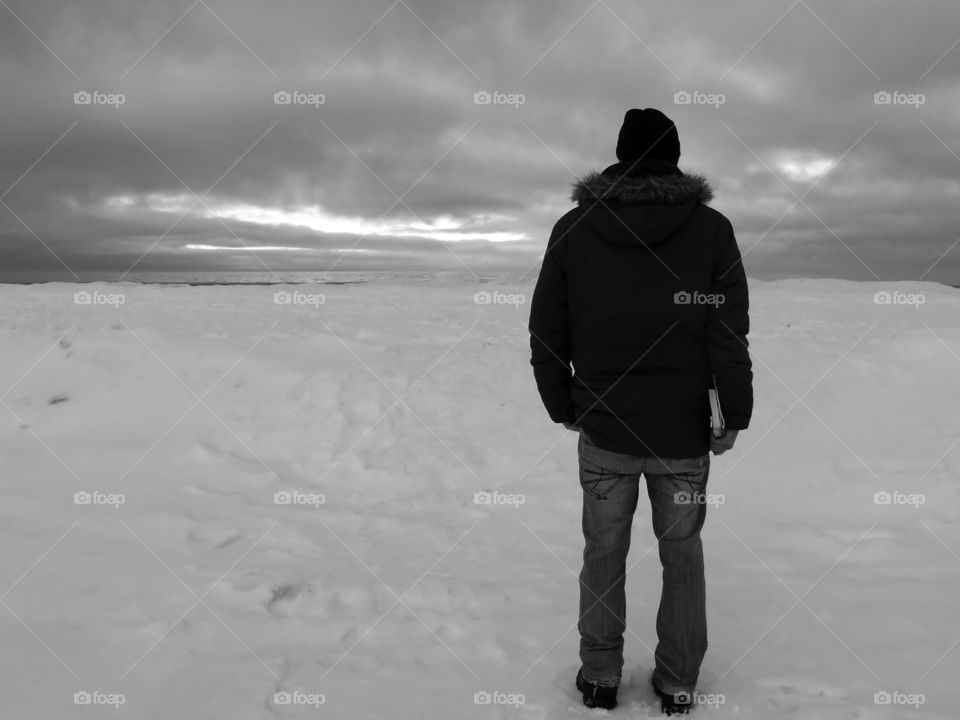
(728, 323)
(549, 331)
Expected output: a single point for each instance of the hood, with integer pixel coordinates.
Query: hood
(643, 207)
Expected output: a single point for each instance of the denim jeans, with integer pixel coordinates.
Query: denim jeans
(610, 483)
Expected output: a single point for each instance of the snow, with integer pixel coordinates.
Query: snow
(387, 591)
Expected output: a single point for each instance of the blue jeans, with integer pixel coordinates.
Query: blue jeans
(610, 483)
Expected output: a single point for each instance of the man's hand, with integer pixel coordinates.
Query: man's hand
(718, 446)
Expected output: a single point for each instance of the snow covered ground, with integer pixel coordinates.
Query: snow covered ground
(188, 587)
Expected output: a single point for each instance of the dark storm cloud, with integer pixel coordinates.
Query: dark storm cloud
(399, 79)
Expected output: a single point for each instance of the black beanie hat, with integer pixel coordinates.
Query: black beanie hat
(649, 135)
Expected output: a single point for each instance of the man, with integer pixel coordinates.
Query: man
(642, 289)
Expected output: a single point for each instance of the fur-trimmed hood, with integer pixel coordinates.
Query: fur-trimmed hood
(672, 189)
(640, 209)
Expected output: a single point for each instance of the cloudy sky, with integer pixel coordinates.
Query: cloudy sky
(141, 137)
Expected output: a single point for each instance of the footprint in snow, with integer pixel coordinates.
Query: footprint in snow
(284, 595)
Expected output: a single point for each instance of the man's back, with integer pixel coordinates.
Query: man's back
(642, 289)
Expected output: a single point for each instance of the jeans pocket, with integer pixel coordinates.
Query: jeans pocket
(596, 480)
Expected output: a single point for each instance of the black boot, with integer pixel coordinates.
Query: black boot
(679, 704)
(596, 696)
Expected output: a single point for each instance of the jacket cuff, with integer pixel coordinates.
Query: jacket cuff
(736, 422)
(567, 414)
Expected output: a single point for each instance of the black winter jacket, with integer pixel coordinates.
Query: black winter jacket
(642, 289)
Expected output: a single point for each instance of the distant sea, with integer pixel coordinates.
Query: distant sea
(344, 277)
(281, 278)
